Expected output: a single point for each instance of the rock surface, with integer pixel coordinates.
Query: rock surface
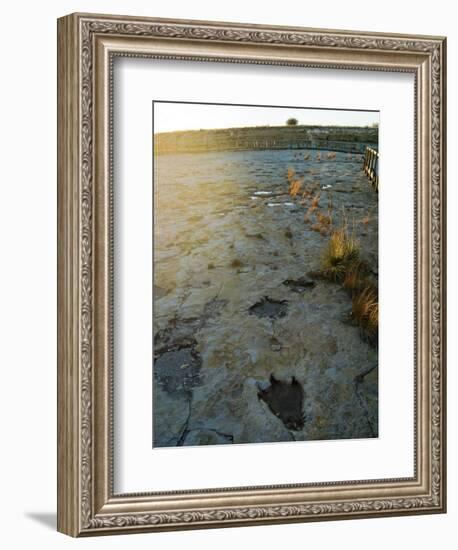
(233, 305)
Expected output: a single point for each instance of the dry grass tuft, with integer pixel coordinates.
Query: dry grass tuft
(294, 187)
(341, 252)
(324, 231)
(323, 220)
(291, 173)
(341, 263)
(315, 201)
(355, 276)
(365, 311)
(295, 184)
(351, 280)
(310, 197)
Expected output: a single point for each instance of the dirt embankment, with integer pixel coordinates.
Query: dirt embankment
(353, 140)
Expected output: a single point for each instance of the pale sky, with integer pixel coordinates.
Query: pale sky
(169, 117)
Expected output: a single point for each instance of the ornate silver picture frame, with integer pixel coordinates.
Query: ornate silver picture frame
(88, 44)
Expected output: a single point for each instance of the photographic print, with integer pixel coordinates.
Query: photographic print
(220, 267)
(265, 274)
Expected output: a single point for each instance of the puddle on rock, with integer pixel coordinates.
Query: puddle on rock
(273, 309)
(285, 400)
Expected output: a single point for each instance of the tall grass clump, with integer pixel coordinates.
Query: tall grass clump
(364, 311)
(295, 187)
(341, 253)
(295, 184)
(353, 276)
(341, 264)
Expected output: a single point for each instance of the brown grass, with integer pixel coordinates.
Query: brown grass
(351, 280)
(294, 187)
(323, 219)
(315, 201)
(306, 194)
(322, 222)
(365, 310)
(354, 276)
(295, 184)
(324, 231)
(290, 174)
(341, 252)
(341, 263)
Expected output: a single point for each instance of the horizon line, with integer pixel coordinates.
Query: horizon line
(266, 126)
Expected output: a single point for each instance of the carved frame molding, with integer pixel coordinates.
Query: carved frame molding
(87, 46)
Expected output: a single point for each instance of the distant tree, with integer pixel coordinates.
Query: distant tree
(292, 122)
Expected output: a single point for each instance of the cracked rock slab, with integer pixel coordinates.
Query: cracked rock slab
(207, 437)
(177, 371)
(267, 307)
(265, 317)
(171, 412)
